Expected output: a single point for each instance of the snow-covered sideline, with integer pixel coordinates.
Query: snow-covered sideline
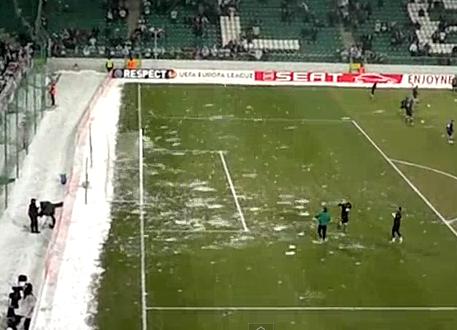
(50, 153)
(67, 297)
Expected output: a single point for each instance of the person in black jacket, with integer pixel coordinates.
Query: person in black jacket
(396, 226)
(49, 209)
(33, 214)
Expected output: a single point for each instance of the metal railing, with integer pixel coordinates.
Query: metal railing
(22, 103)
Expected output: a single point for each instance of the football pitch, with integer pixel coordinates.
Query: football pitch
(213, 211)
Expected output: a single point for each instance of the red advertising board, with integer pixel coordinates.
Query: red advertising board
(326, 77)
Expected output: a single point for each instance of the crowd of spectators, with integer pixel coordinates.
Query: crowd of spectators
(204, 12)
(13, 58)
(197, 16)
(99, 40)
(351, 13)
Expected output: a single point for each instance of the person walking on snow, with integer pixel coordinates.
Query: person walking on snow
(26, 306)
(53, 92)
(33, 215)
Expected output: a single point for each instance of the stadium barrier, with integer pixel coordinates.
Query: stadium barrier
(286, 78)
(56, 64)
(56, 245)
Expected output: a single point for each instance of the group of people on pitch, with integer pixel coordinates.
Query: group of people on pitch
(408, 103)
(323, 219)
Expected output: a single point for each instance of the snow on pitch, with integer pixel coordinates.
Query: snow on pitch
(73, 300)
(50, 154)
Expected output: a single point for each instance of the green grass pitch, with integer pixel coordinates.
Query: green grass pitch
(286, 151)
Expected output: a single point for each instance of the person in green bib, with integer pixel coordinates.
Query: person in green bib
(323, 219)
(109, 65)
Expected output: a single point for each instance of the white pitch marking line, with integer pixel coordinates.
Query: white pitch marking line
(209, 231)
(260, 120)
(141, 207)
(186, 151)
(449, 175)
(451, 221)
(412, 186)
(306, 308)
(232, 188)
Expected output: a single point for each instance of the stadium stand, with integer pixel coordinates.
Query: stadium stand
(434, 32)
(10, 16)
(13, 56)
(373, 31)
(406, 32)
(86, 27)
(301, 29)
(240, 29)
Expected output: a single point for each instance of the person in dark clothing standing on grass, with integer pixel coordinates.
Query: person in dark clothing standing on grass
(415, 92)
(33, 214)
(323, 219)
(373, 89)
(450, 132)
(345, 209)
(396, 226)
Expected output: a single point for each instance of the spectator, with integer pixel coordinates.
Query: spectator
(304, 8)
(442, 36)
(256, 31)
(123, 13)
(109, 16)
(147, 8)
(174, 15)
(377, 26)
(413, 49)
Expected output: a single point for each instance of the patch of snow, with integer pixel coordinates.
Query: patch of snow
(279, 228)
(249, 175)
(68, 296)
(203, 189)
(214, 206)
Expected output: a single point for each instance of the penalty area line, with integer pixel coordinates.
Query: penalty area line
(206, 231)
(178, 152)
(309, 308)
(232, 188)
(423, 167)
(255, 120)
(404, 177)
